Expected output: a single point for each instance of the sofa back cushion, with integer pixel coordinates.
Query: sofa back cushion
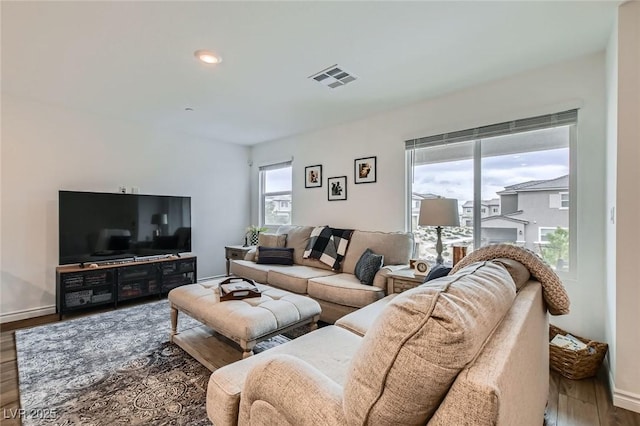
(396, 247)
(297, 239)
(421, 341)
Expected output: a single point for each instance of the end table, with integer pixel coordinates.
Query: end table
(403, 279)
(235, 252)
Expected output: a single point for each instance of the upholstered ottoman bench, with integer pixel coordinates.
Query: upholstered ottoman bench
(246, 321)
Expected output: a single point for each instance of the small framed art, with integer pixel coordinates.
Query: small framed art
(337, 188)
(365, 170)
(313, 176)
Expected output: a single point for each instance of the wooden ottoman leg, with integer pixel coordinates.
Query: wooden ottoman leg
(174, 322)
(247, 348)
(314, 323)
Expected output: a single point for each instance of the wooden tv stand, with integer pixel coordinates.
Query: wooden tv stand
(109, 283)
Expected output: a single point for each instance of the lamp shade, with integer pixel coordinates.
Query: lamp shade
(159, 219)
(439, 212)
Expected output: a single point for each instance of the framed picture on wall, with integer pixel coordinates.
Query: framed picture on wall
(313, 176)
(337, 188)
(365, 170)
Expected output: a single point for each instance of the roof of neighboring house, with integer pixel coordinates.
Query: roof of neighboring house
(561, 182)
(504, 217)
(491, 202)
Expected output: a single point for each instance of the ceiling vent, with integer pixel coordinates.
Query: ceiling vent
(333, 77)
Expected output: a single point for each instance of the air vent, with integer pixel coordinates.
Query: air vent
(333, 77)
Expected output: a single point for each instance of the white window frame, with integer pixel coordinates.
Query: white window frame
(546, 228)
(564, 118)
(568, 201)
(262, 189)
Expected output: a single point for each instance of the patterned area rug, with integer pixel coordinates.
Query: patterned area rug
(113, 368)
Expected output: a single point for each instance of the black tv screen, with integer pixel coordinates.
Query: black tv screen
(100, 227)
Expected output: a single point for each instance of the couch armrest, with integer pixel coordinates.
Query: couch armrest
(290, 390)
(251, 254)
(380, 280)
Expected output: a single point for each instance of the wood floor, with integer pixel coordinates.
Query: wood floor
(571, 402)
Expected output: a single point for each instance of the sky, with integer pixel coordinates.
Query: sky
(454, 179)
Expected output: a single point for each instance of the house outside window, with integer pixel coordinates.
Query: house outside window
(275, 194)
(506, 182)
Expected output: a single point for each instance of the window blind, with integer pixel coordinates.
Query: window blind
(275, 166)
(500, 129)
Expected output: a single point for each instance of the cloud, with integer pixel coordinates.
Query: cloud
(455, 178)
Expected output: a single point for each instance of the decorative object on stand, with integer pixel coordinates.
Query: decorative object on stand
(313, 176)
(365, 170)
(439, 212)
(251, 236)
(420, 268)
(159, 219)
(458, 253)
(337, 188)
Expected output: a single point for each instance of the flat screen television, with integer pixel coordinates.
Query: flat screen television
(99, 227)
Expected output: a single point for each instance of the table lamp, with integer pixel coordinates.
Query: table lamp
(439, 212)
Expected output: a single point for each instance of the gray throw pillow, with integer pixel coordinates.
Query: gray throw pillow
(368, 265)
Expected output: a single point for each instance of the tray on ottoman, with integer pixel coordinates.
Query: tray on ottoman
(245, 322)
(235, 288)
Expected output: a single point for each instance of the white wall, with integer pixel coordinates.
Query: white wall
(627, 315)
(611, 171)
(576, 83)
(47, 148)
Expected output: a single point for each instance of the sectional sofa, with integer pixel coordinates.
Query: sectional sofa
(337, 292)
(469, 348)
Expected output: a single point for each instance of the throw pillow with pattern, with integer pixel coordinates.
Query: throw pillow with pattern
(367, 266)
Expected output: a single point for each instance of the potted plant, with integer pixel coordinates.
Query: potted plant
(251, 236)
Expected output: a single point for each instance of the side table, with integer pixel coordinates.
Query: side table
(403, 279)
(235, 252)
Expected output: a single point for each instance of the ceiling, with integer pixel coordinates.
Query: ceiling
(134, 60)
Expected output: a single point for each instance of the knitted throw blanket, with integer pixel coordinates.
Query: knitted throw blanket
(553, 291)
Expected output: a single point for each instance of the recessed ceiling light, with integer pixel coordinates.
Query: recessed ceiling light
(207, 57)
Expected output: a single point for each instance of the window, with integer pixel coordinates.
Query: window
(520, 170)
(275, 194)
(564, 200)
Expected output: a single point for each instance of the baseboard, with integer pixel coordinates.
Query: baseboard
(627, 400)
(27, 313)
(214, 277)
(623, 399)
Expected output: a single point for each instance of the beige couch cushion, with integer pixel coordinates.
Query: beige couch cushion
(361, 320)
(396, 247)
(250, 269)
(297, 239)
(226, 383)
(294, 278)
(344, 289)
(490, 390)
(413, 352)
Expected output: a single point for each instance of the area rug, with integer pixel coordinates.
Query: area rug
(113, 368)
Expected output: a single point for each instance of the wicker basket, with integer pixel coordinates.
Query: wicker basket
(579, 364)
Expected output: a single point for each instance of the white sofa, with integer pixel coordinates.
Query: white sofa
(337, 292)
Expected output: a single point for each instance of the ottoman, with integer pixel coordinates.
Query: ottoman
(246, 321)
